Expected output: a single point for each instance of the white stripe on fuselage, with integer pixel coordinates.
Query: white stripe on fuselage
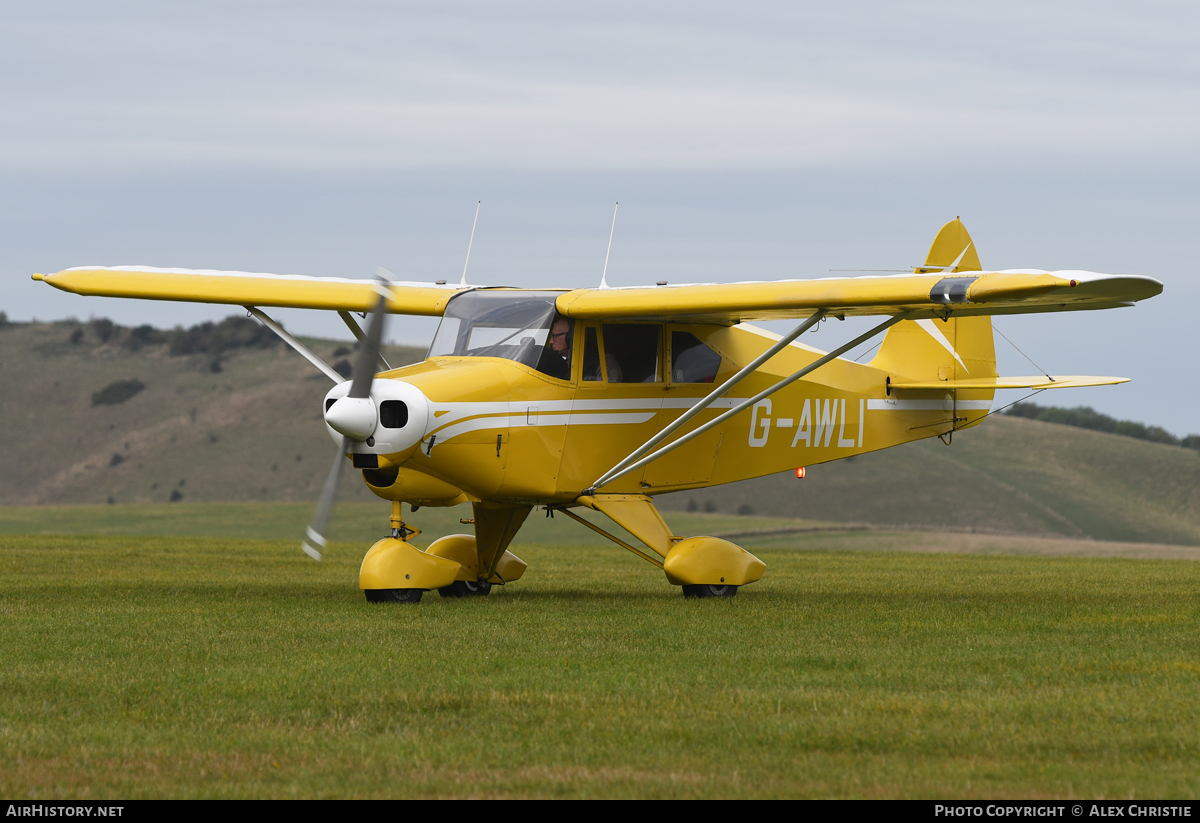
(926, 405)
(524, 419)
(451, 416)
(462, 418)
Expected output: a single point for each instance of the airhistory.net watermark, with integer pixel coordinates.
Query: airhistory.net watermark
(51, 810)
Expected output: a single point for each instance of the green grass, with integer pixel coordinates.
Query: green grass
(362, 522)
(142, 666)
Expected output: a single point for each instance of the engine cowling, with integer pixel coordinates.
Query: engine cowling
(392, 419)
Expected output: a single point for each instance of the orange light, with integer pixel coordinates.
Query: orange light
(800, 473)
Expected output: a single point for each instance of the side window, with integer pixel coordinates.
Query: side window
(591, 356)
(691, 360)
(631, 352)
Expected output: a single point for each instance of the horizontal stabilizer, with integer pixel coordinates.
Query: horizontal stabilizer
(1041, 381)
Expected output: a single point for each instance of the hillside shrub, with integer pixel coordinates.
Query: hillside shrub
(117, 392)
(103, 328)
(1085, 417)
(234, 332)
(144, 335)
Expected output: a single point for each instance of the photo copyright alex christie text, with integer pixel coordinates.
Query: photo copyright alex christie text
(1077, 810)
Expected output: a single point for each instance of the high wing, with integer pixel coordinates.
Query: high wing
(1017, 291)
(251, 289)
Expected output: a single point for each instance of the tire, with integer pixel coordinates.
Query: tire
(709, 590)
(466, 588)
(393, 595)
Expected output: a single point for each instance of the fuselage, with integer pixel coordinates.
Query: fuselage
(496, 429)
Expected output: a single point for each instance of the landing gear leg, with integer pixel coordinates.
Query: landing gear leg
(400, 529)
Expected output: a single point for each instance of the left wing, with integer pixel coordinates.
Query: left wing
(1018, 291)
(251, 289)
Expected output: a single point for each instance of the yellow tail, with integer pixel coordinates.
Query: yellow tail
(956, 349)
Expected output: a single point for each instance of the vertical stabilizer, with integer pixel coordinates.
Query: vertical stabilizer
(956, 349)
(952, 250)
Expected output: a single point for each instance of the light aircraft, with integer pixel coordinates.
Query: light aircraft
(605, 398)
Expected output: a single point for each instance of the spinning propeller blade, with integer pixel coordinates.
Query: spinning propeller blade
(364, 375)
(368, 354)
(314, 536)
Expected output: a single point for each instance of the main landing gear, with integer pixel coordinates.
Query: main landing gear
(703, 567)
(393, 595)
(395, 571)
(709, 590)
(466, 588)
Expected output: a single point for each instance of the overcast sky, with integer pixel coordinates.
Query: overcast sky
(743, 141)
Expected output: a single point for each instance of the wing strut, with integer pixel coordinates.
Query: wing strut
(300, 348)
(745, 404)
(783, 342)
(357, 331)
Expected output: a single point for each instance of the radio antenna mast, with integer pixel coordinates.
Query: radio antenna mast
(604, 274)
(470, 243)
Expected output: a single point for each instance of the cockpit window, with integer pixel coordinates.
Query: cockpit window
(496, 323)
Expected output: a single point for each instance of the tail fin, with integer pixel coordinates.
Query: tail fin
(955, 349)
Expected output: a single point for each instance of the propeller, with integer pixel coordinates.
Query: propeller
(353, 416)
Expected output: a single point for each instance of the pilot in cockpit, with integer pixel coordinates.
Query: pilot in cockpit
(556, 357)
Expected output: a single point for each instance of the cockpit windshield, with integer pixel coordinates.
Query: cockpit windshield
(496, 323)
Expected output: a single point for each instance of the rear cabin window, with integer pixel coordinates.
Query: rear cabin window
(691, 360)
(591, 356)
(631, 352)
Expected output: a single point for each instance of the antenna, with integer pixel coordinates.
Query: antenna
(603, 281)
(471, 242)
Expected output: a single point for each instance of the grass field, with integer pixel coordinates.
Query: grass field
(215, 666)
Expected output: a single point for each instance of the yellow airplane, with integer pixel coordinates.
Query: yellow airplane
(605, 398)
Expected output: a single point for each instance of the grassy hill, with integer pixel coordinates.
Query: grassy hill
(252, 432)
(1007, 475)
